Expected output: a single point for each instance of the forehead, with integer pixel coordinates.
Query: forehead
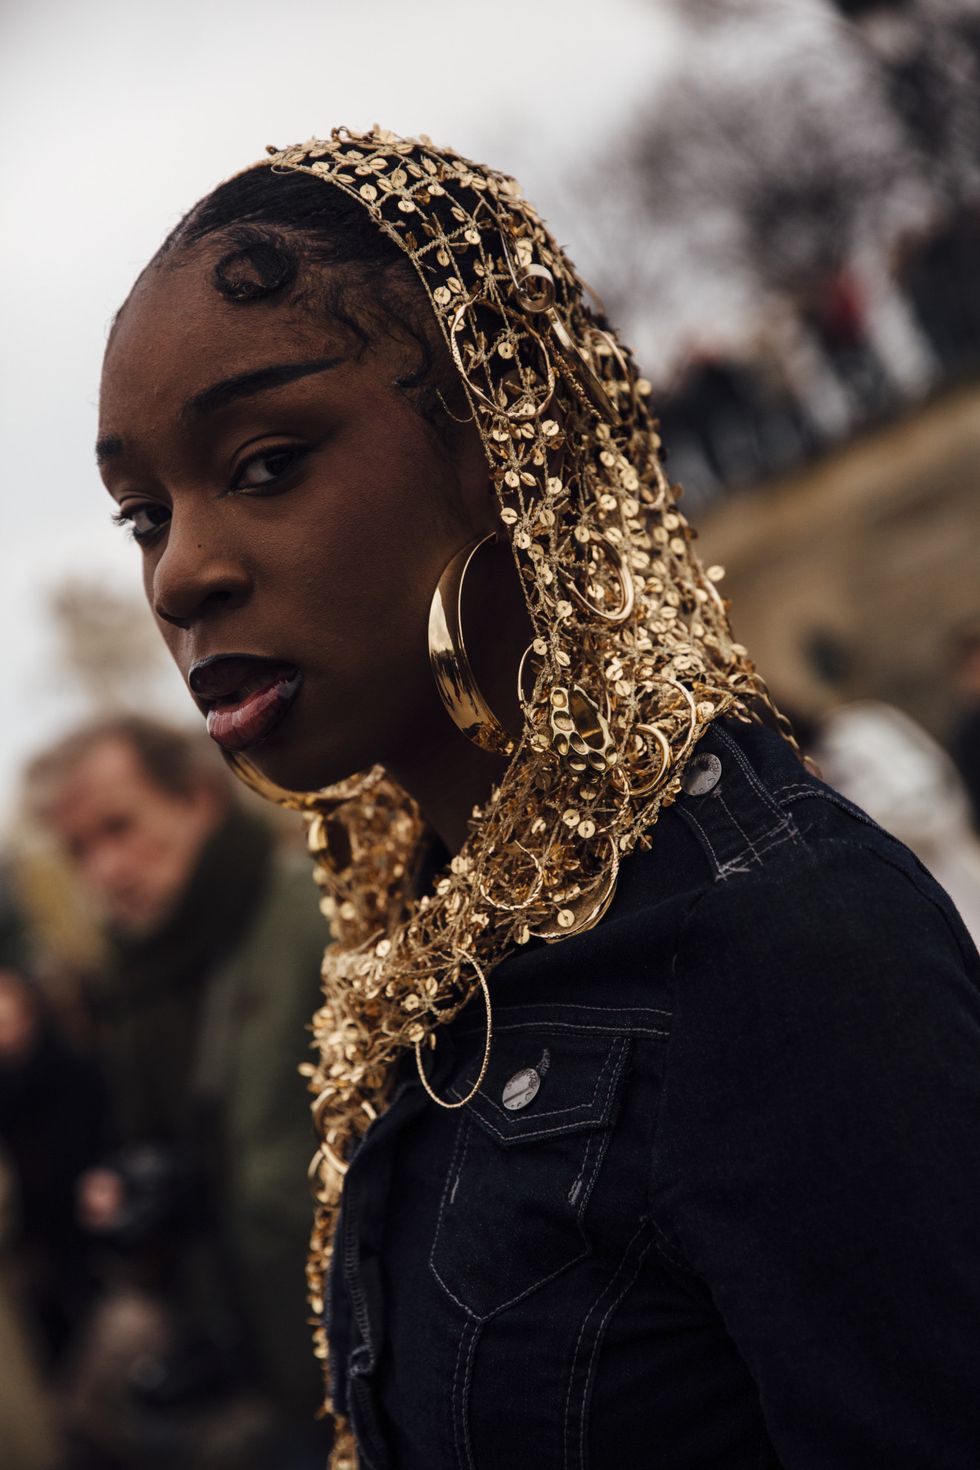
(108, 776)
(177, 334)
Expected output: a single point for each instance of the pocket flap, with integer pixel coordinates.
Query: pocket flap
(556, 1082)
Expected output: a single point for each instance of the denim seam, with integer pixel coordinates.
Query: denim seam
(737, 825)
(592, 1030)
(613, 1307)
(784, 831)
(748, 772)
(578, 1006)
(462, 1160)
(801, 791)
(581, 1333)
(581, 1029)
(454, 1407)
(508, 1115)
(580, 1211)
(459, 1405)
(465, 1404)
(617, 1302)
(602, 1140)
(689, 816)
(575, 1193)
(464, 1124)
(558, 1112)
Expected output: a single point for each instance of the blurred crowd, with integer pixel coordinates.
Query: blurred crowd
(788, 230)
(924, 791)
(159, 963)
(734, 419)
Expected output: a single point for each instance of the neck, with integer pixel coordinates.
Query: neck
(448, 776)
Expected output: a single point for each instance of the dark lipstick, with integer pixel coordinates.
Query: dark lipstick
(244, 697)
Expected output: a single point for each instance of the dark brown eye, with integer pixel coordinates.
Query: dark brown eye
(144, 522)
(266, 468)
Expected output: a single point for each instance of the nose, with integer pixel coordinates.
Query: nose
(196, 576)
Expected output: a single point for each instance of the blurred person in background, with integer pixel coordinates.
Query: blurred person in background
(215, 941)
(965, 734)
(882, 760)
(53, 1127)
(28, 1427)
(647, 1087)
(14, 945)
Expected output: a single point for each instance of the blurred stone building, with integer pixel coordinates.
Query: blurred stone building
(874, 547)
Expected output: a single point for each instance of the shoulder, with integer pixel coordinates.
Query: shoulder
(288, 933)
(289, 901)
(836, 987)
(803, 889)
(754, 832)
(768, 904)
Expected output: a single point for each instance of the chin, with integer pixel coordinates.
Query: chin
(289, 765)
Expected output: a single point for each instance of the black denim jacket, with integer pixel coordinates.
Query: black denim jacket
(738, 1224)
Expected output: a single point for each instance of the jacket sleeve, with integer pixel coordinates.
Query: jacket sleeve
(271, 1136)
(817, 1161)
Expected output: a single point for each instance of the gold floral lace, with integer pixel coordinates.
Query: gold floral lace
(631, 661)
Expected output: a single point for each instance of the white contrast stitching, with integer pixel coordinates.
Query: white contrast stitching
(689, 816)
(464, 1406)
(459, 1171)
(585, 1320)
(595, 1346)
(735, 823)
(577, 1006)
(455, 1411)
(464, 1124)
(552, 1112)
(581, 1029)
(599, 1137)
(747, 771)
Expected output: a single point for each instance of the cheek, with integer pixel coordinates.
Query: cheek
(361, 559)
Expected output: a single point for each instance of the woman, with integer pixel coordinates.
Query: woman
(647, 1084)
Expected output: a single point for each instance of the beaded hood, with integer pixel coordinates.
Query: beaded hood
(631, 660)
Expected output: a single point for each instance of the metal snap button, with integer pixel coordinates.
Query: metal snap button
(521, 1089)
(702, 775)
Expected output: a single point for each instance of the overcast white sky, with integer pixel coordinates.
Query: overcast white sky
(115, 115)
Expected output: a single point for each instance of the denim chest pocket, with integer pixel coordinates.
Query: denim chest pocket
(520, 1177)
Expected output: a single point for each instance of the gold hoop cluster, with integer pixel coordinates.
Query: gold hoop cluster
(632, 657)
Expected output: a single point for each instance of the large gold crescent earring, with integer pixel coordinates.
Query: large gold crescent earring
(450, 662)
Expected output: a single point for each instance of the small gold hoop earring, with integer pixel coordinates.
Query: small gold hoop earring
(450, 662)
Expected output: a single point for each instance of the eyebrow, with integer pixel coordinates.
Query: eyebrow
(108, 448)
(229, 390)
(244, 385)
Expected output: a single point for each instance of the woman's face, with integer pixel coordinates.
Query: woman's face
(294, 512)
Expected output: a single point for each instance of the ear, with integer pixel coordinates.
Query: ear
(477, 493)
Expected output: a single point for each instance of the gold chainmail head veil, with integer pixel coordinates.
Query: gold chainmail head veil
(632, 657)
